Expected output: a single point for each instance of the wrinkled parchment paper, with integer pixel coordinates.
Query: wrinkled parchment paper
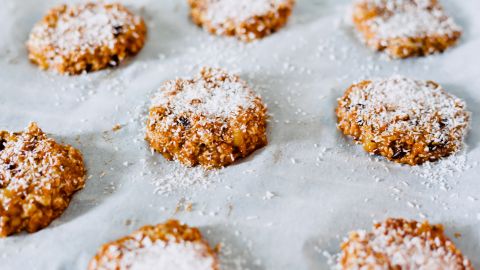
(287, 206)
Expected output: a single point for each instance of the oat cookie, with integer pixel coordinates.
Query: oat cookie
(212, 120)
(168, 246)
(405, 28)
(85, 37)
(38, 178)
(247, 19)
(404, 120)
(402, 244)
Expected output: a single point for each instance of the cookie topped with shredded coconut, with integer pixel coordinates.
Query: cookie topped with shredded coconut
(85, 37)
(405, 120)
(210, 120)
(405, 28)
(247, 20)
(38, 178)
(168, 246)
(402, 244)
(213, 93)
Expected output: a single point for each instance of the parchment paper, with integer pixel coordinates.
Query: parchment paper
(322, 184)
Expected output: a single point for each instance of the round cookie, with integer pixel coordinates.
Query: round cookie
(165, 246)
(38, 178)
(85, 37)
(212, 120)
(247, 19)
(404, 120)
(405, 28)
(402, 244)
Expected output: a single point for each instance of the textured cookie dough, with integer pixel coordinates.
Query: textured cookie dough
(405, 28)
(168, 246)
(38, 178)
(402, 244)
(212, 120)
(404, 120)
(85, 37)
(247, 19)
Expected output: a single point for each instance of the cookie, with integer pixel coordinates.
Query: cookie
(405, 28)
(212, 120)
(407, 121)
(85, 37)
(38, 178)
(402, 244)
(165, 246)
(247, 19)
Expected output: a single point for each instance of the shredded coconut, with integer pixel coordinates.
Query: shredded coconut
(439, 174)
(403, 250)
(214, 93)
(29, 162)
(411, 18)
(84, 28)
(38, 177)
(415, 107)
(220, 11)
(173, 255)
(181, 178)
(26, 162)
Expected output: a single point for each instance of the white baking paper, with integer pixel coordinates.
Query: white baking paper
(288, 205)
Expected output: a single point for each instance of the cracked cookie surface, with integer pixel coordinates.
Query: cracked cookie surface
(38, 178)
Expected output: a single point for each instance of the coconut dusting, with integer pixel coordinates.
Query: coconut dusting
(439, 174)
(415, 107)
(411, 18)
(213, 93)
(170, 255)
(401, 244)
(84, 28)
(222, 11)
(180, 178)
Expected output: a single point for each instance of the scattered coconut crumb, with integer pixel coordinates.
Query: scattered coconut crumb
(181, 178)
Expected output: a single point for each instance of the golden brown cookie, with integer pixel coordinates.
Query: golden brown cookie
(38, 178)
(247, 19)
(212, 120)
(405, 28)
(85, 37)
(404, 120)
(402, 244)
(165, 246)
